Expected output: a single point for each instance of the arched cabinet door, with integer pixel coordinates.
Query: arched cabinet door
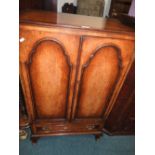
(49, 71)
(102, 65)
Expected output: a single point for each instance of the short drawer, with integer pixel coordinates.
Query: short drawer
(68, 127)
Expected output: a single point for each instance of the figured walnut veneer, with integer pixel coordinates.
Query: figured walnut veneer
(71, 75)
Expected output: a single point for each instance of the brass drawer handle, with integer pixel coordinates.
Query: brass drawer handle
(45, 128)
(65, 128)
(91, 127)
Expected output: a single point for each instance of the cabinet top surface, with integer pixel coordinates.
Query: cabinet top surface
(48, 18)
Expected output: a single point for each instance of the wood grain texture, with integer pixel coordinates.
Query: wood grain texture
(50, 75)
(23, 119)
(95, 87)
(47, 18)
(31, 38)
(123, 59)
(71, 76)
(122, 117)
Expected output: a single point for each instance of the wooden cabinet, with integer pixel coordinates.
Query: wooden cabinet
(71, 74)
(121, 119)
(23, 119)
(38, 5)
(119, 7)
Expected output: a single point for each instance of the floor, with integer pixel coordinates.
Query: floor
(79, 145)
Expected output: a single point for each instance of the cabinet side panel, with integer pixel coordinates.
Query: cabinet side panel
(99, 76)
(49, 73)
(121, 119)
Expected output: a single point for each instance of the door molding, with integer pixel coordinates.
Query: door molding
(86, 65)
(30, 61)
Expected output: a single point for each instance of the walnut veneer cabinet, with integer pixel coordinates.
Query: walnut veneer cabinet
(72, 68)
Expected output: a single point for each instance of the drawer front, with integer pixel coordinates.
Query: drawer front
(68, 127)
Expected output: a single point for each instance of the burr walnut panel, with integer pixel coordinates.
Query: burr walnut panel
(103, 64)
(98, 77)
(49, 70)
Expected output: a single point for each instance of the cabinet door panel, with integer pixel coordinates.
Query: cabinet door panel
(103, 65)
(49, 71)
(98, 77)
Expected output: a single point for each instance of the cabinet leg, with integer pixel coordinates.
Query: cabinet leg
(98, 136)
(34, 140)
